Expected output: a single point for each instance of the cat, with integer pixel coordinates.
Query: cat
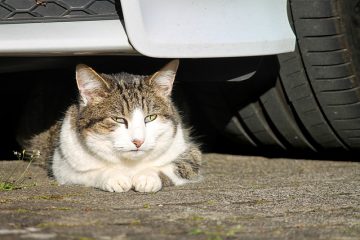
(124, 133)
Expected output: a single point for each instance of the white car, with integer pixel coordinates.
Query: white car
(283, 74)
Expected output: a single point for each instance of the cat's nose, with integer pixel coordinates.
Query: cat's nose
(137, 142)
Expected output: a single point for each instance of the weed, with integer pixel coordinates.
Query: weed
(211, 202)
(197, 218)
(217, 232)
(196, 231)
(53, 224)
(63, 208)
(49, 197)
(135, 222)
(7, 184)
(53, 196)
(22, 210)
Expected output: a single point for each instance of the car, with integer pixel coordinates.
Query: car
(276, 75)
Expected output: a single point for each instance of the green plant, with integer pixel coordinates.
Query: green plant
(7, 184)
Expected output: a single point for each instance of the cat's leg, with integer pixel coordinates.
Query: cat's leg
(104, 178)
(184, 169)
(147, 180)
(107, 179)
(112, 180)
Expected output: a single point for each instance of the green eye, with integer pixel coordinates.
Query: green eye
(119, 120)
(150, 118)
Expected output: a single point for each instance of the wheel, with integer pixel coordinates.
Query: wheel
(321, 78)
(313, 104)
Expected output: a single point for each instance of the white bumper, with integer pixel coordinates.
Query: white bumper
(64, 38)
(208, 28)
(162, 28)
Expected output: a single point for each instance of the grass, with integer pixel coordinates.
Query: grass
(9, 185)
(6, 186)
(146, 205)
(218, 232)
(53, 196)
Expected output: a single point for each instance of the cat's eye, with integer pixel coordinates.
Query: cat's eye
(119, 120)
(150, 118)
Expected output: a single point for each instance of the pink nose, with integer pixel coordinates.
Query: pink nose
(137, 143)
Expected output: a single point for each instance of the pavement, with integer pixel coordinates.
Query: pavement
(239, 198)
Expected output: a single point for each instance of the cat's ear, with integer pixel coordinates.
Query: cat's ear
(164, 78)
(91, 85)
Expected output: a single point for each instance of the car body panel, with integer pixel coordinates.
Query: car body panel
(64, 38)
(161, 28)
(208, 28)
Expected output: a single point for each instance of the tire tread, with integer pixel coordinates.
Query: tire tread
(329, 68)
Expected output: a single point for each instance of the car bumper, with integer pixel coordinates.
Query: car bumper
(163, 29)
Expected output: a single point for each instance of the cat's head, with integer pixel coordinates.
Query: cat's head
(124, 115)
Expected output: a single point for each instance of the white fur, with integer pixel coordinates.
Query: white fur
(137, 125)
(147, 181)
(113, 162)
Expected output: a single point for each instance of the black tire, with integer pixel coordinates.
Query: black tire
(320, 78)
(314, 102)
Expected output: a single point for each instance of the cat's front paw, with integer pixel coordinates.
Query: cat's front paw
(116, 182)
(147, 181)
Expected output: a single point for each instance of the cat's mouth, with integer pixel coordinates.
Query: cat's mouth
(121, 149)
(134, 153)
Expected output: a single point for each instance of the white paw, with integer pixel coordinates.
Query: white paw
(116, 181)
(147, 181)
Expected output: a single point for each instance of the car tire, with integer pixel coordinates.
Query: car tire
(314, 102)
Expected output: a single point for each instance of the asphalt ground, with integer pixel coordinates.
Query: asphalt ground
(240, 197)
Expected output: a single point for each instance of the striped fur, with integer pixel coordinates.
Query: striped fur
(107, 140)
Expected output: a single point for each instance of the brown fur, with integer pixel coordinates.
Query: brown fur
(118, 96)
(127, 93)
(45, 143)
(188, 164)
(165, 180)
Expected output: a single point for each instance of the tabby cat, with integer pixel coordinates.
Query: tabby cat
(124, 133)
